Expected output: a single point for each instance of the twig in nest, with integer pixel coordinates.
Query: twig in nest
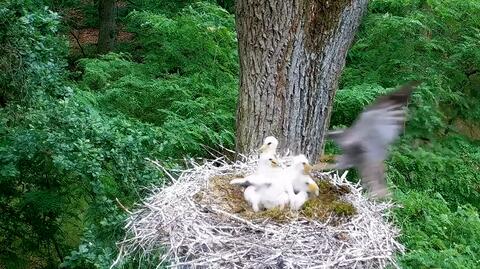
(122, 206)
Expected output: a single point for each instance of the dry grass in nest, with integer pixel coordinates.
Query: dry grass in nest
(202, 221)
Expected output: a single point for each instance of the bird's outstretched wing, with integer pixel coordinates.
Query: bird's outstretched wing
(365, 143)
(250, 181)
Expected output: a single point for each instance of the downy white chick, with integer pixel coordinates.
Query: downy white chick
(268, 168)
(267, 187)
(298, 200)
(266, 195)
(301, 182)
(264, 189)
(267, 163)
(269, 145)
(268, 150)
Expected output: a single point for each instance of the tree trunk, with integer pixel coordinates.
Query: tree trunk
(291, 56)
(107, 32)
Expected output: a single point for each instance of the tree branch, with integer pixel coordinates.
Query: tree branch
(78, 42)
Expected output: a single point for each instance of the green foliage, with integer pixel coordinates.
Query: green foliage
(66, 154)
(68, 151)
(62, 163)
(201, 38)
(186, 85)
(162, 6)
(449, 167)
(170, 8)
(437, 236)
(31, 55)
(434, 167)
(71, 161)
(32, 72)
(434, 41)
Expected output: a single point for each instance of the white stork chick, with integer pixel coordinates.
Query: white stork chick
(269, 146)
(301, 182)
(297, 201)
(266, 195)
(268, 168)
(269, 150)
(267, 187)
(268, 165)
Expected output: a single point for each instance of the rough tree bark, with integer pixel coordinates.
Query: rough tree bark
(291, 56)
(107, 32)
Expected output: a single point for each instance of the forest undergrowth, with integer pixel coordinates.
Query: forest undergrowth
(75, 129)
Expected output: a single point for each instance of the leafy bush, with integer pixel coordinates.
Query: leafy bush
(68, 152)
(71, 161)
(62, 163)
(67, 155)
(186, 85)
(434, 167)
(201, 38)
(31, 55)
(172, 7)
(435, 235)
(162, 6)
(449, 167)
(434, 41)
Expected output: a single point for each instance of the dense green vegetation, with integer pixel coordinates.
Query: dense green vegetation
(69, 149)
(75, 130)
(435, 166)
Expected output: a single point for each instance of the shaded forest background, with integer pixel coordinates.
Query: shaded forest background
(76, 127)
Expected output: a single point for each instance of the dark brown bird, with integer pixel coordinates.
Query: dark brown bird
(365, 143)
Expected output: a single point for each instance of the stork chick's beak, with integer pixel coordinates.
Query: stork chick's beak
(275, 163)
(263, 148)
(313, 188)
(307, 168)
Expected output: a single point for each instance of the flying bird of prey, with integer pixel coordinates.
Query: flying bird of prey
(365, 143)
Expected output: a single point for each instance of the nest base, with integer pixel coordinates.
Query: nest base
(202, 221)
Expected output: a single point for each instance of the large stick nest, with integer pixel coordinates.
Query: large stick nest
(202, 221)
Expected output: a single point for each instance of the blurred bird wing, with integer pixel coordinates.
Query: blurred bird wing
(399, 96)
(381, 125)
(385, 118)
(373, 178)
(378, 125)
(365, 143)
